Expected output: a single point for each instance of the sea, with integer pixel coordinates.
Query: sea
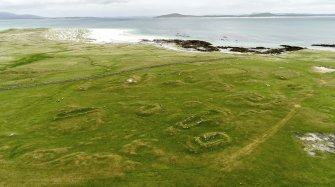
(247, 32)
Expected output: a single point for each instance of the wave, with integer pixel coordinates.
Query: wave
(99, 35)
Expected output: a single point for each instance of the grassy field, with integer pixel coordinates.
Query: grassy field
(160, 117)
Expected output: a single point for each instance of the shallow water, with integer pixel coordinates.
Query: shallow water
(268, 32)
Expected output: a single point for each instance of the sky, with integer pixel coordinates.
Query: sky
(115, 8)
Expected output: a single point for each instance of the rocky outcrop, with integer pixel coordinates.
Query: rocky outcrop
(237, 49)
(262, 50)
(292, 48)
(203, 46)
(323, 45)
(197, 45)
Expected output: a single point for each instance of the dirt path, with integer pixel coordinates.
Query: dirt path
(233, 160)
(108, 74)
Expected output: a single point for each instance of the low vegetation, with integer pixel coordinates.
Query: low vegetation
(184, 119)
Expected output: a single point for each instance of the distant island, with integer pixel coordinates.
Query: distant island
(174, 15)
(7, 15)
(177, 15)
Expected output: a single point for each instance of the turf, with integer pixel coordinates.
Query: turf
(189, 119)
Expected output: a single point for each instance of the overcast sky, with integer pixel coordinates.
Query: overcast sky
(110, 8)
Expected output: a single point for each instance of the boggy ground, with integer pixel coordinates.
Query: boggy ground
(186, 119)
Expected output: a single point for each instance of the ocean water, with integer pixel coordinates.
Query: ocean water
(251, 32)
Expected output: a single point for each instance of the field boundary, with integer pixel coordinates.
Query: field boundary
(99, 76)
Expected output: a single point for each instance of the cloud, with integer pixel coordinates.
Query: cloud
(157, 7)
(34, 3)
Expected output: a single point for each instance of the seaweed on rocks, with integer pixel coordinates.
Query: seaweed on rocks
(238, 49)
(203, 46)
(197, 45)
(263, 50)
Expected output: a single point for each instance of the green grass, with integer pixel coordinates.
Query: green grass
(29, 59)
(223, 120)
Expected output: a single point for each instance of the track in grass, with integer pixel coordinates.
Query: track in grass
(106, 74)
(233, 160)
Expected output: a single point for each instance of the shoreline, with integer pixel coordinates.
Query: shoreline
(182, 44)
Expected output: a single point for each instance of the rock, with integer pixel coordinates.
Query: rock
(197, 45)
(12, 134)
(260, 48)
(317, 143)
(204, 46)
(182, 35)
(239, 49)
(131, 81)
(224, 38)
(286, 48)
(323, 70)
(324, 45)
(292, 48)
(274, 51)
(145, 40)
